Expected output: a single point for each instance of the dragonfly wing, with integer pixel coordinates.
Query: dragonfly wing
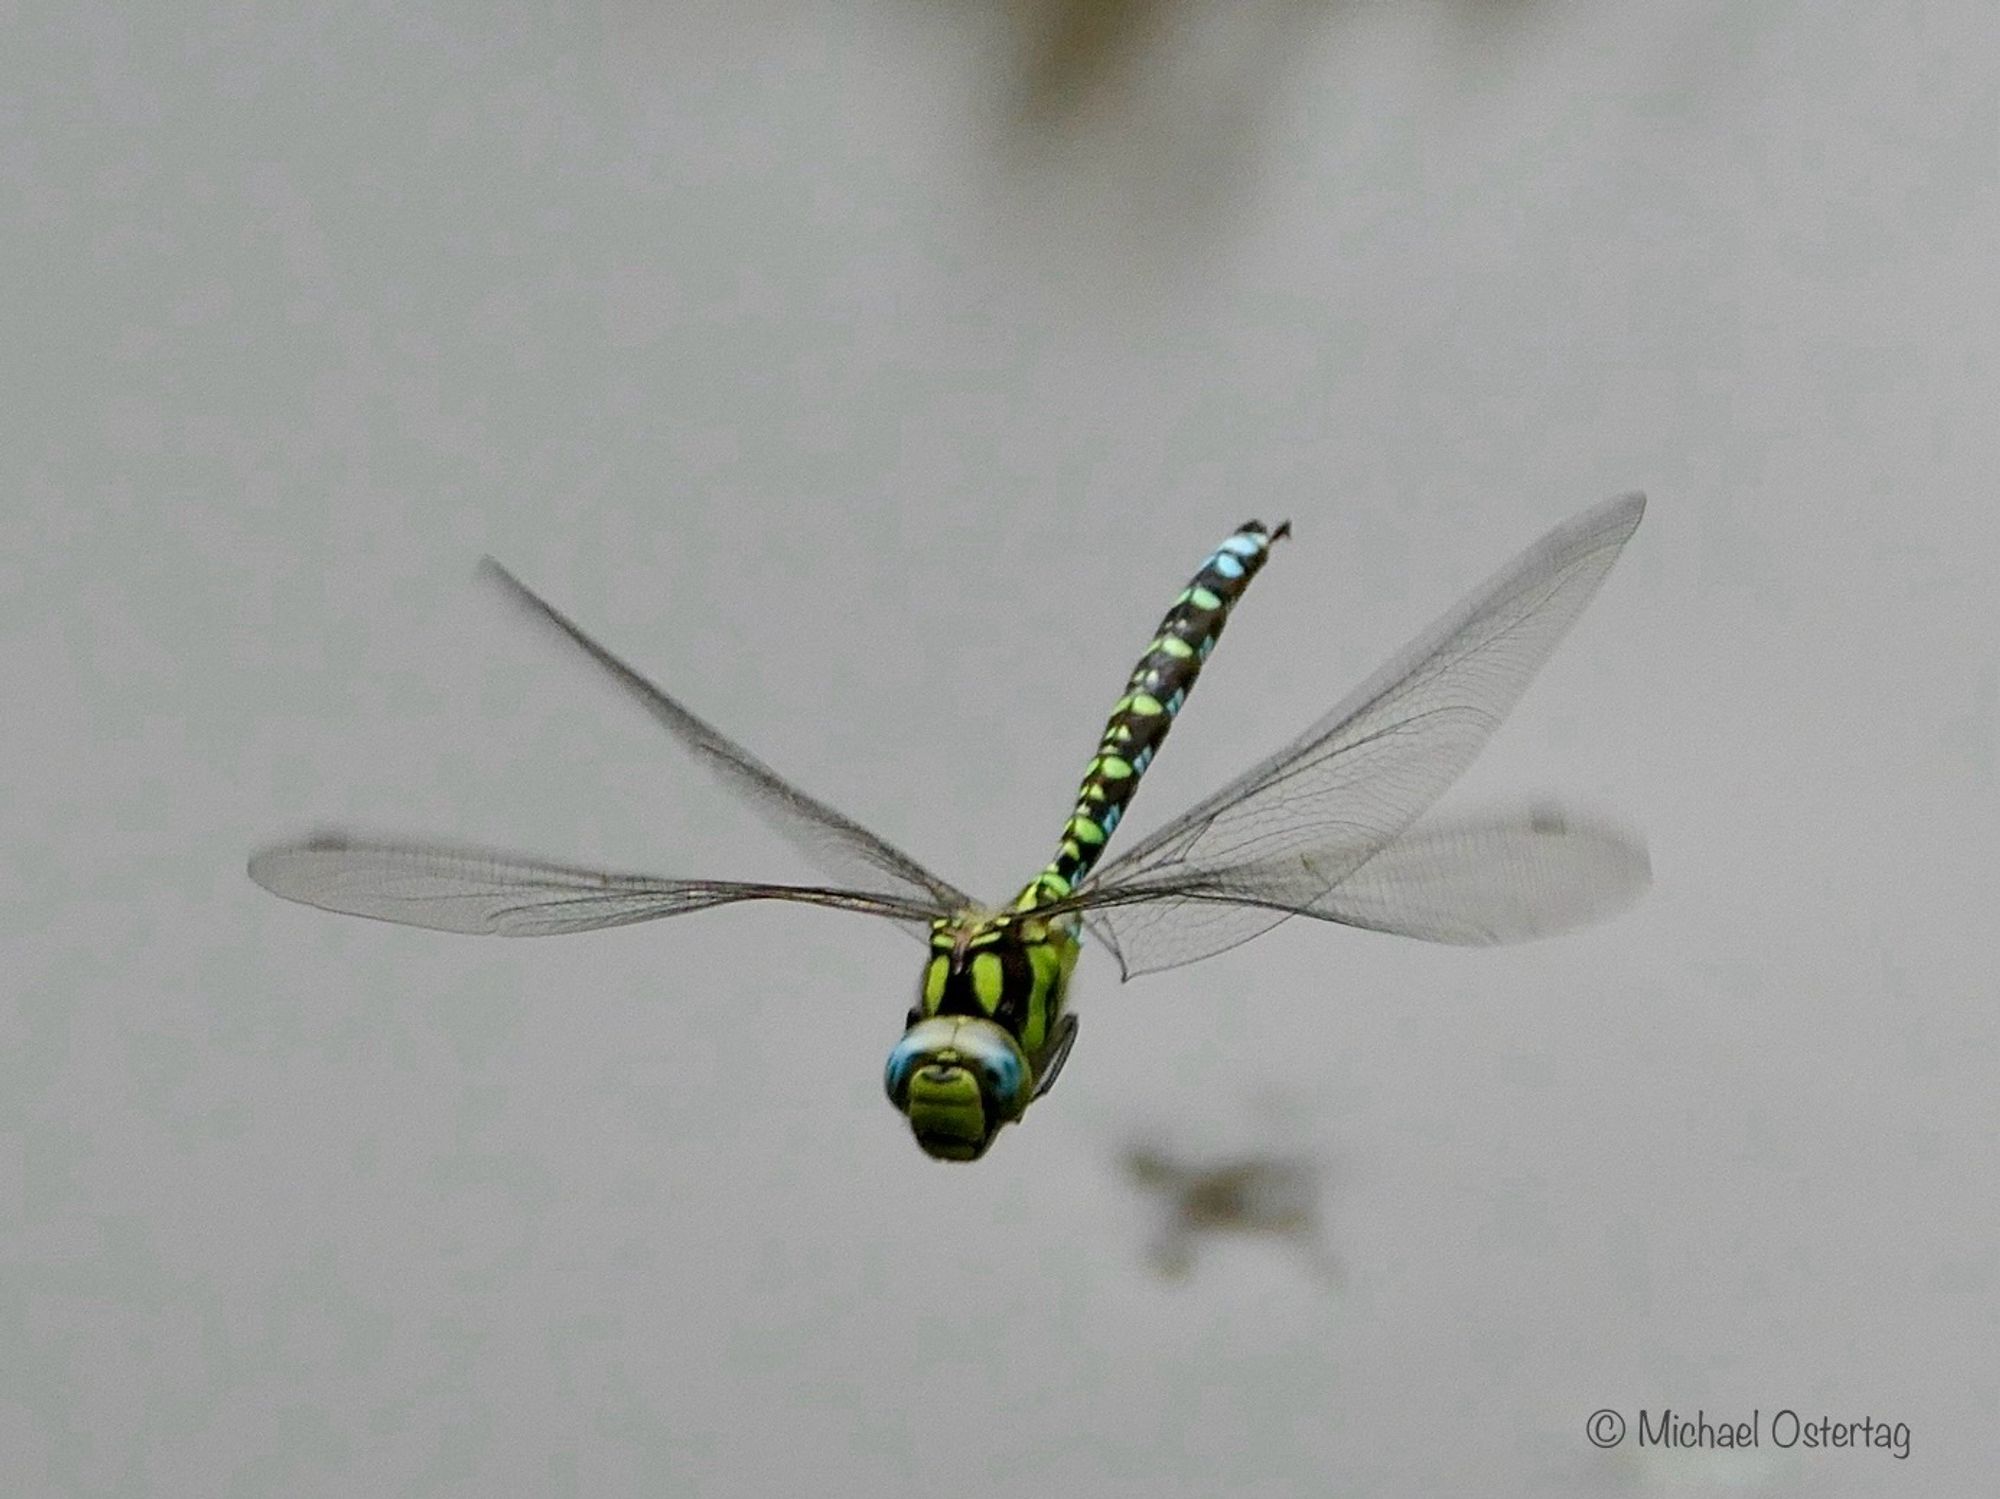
(454, 889)
(1467, 880)
(1354, 781)
(1487, 880)
(836, 844)
(1100, 929)
(1149, 930)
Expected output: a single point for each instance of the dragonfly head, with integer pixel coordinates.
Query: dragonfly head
(958, 1079)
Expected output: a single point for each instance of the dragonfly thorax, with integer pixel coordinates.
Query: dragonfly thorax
(1010, 967)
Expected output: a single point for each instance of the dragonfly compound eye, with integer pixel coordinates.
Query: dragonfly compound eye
(926, 1043)
(1003, 1080)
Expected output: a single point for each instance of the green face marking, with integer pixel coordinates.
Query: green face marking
(946, 1114)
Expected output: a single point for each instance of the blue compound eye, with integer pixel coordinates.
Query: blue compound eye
(1001, 1074)
(920, 1046)
(903, 1064)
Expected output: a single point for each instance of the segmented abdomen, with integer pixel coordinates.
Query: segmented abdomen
(1159, 686)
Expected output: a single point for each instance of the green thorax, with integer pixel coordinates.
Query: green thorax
(1011, 967)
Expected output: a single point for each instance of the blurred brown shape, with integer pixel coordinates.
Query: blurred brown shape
(1070, 49)
(1259, 1193)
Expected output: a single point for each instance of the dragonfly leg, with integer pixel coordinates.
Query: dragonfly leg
(1057, 1054)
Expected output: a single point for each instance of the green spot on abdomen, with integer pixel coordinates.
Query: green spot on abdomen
(1140, 719)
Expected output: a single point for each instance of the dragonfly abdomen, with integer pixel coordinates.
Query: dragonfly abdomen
(1156, 692)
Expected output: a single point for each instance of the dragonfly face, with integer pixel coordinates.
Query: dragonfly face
(958, 1079)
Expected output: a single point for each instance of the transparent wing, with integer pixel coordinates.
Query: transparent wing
(1481, 881)
(455, 889)
(1471, 881)
(836, 844)
(1277, 840)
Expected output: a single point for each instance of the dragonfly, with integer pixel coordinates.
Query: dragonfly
(1331, 826)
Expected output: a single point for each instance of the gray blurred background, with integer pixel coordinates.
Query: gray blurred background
(874, 374)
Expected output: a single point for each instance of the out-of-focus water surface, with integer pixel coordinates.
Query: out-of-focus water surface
(874, 375)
